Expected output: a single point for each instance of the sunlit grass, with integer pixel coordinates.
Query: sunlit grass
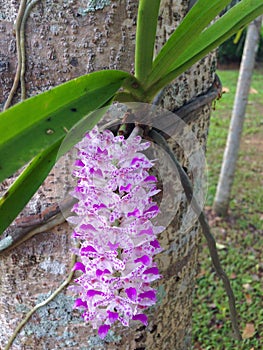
(240, 235)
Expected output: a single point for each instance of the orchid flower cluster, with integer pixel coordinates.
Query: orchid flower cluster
(113, 225)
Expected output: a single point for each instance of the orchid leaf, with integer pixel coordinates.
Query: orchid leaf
(230, 23)
(145, 37)
(26, 185)
(28, 182)
(32, 126)
(198, 18)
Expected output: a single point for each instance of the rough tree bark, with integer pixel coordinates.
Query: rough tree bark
(226, 178)
(65, 39)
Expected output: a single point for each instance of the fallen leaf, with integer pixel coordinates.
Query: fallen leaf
(249, 331)
(248, 298)
(254, 276)
(220, 246)
(202, 273)
(233, 276)
(247, 286)
(253, 91)
(225, 89)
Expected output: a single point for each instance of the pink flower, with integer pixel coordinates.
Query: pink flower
(113, 224)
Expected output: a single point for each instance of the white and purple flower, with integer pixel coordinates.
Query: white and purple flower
(113, 224)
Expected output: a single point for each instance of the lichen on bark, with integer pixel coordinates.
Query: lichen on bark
(94, 5)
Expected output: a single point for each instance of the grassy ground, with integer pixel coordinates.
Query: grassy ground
(240, 236)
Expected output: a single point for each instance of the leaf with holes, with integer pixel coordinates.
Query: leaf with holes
(36, 124)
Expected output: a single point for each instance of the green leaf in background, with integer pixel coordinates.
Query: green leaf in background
(238, 36)
(200, 15)
(37, 123)
(145, 37)
(26, 185)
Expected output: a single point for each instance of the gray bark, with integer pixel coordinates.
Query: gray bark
(226, 178)
(63, 41)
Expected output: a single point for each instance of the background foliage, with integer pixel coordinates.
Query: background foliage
(230, 52)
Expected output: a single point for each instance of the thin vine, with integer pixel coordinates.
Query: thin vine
(23, 13)
(43, 303)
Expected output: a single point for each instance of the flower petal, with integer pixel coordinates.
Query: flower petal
(143, 259)
(151, 294)
(153, 270)
(141, 317)
(80, 303)
(103, 330)
(79, 266)
(112, 316)
(131, 293)
(92, 292)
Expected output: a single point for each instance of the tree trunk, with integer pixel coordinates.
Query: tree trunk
(226, 178)
(65, 39)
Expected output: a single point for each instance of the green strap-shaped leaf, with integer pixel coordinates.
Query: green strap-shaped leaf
(34, 125)
(200, 15)
(26, 185)
(232, 21)
(145, 37)
(28, 182)
(235, 19)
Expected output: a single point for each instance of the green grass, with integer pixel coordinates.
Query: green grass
(241, 234)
